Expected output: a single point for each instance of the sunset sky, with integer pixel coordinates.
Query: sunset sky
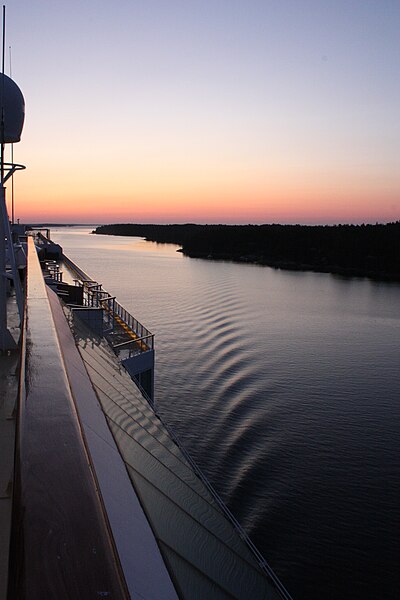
(227, 111)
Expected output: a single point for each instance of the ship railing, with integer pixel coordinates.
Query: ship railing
(91, 289)
(52, 270)
(106, 302)
(140, 330)
(95, 296)
(114, 312)
(136, 345)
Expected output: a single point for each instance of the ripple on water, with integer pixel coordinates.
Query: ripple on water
(284, 387)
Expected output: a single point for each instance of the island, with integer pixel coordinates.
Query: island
(353, 250)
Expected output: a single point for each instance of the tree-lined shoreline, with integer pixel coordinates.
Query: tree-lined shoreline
(352, 250)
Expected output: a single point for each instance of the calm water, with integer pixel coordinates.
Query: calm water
(284, 386)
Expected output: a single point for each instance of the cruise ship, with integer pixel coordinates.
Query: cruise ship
(98, 498)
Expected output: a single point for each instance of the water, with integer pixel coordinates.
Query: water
(284, 386)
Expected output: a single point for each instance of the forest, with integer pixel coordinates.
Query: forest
(359, 250)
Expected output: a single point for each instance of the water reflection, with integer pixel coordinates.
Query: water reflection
(284, 386)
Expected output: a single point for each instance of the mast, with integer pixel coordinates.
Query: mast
(12, 109)
(2, 92)
(5, 335)
(12, 160)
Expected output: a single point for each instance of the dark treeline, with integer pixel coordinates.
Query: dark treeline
(371, 250)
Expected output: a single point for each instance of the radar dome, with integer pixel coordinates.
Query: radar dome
(12, 106)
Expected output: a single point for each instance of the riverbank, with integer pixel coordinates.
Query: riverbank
(351, 250)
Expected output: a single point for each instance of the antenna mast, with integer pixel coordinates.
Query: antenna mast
(2, 91)
(12, 160)
(11, 122)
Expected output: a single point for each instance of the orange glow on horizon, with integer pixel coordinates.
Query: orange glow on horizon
(240, 207)
(61, 187)
(252, 126)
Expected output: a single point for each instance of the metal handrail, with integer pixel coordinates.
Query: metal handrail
(132, 341)
(92, 299)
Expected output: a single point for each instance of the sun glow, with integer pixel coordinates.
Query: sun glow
(244, 128)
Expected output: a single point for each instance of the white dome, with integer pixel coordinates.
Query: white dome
(12, 106)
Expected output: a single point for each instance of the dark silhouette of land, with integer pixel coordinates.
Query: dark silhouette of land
(358, 250)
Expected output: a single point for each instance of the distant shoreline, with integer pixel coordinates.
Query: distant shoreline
(293, 266)
(371, 251)
(61, 225)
